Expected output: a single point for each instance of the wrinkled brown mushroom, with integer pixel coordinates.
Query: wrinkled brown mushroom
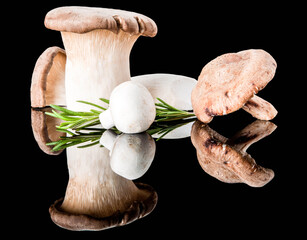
(44, 129)
(230, 82)
(227, 159)
(48, 78)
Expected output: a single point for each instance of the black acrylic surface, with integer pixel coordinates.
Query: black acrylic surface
(189, 200)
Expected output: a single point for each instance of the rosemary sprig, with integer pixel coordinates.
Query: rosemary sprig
(76, 139)
(166, 112)
(75, 123)
(77, 120)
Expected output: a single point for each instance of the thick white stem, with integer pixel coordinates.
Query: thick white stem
(97, 62)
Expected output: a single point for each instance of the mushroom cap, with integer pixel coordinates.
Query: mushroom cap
(85, 19)
(48, 78)
(224, 161)
(229, 81)
(77, 222)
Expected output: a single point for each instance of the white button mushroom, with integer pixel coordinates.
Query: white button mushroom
(131, 154)
(131, 109)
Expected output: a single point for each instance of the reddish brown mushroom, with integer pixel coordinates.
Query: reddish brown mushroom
(226, 159)
(230, 82)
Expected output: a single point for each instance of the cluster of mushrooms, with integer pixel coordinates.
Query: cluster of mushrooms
(95, 64)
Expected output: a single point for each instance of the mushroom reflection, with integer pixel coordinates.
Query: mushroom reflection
(131, 154)
(226, 159)
(96, 197)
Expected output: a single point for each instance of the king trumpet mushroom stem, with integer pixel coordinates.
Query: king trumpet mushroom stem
(131, 109)
(131, 154)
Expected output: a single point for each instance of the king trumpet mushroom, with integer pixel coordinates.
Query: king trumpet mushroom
(131, 109)
(97, 43)
(131, 154)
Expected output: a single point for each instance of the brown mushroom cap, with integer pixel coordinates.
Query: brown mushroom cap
(48, 78)
(226, 159)
(138, 209)
(229, 81)
(85, 19)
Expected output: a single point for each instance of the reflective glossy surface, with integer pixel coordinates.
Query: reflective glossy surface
(100, 193)
(190, 201)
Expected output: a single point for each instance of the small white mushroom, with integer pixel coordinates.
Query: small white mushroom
(131, 109)
(131, 154)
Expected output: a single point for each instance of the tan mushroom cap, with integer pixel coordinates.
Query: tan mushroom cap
(226, 159)
(48, 78)
(229, 81)
(85, 19)
(138, 209)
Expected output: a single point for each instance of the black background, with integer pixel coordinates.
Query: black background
(190, 34)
